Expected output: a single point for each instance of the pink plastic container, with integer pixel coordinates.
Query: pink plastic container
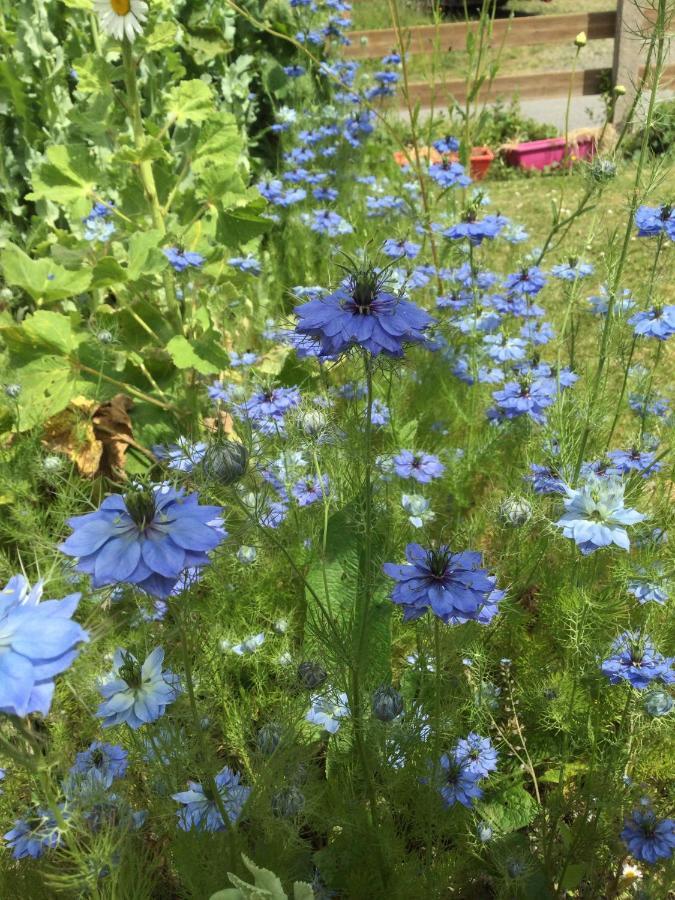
(549, 152)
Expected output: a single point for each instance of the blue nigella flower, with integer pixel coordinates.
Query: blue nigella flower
(476, 230)
(572, 270)
(636, 660)
(325, 221)
(32, 836)
(418, 509)
(200, 809)
(657, 322)
(137, 694)
(397, 249)
(476, 754)
(651, 221)
(246, 264)
(146, 537)
(423, 467)
(448, 174)
(361, 312)
(309, 490)
(266, 409)
(452, 584)
(182, 259)
(595, 515)
(380, 414)
(105, 761)
(641, 461)
(294, 71)
(38, 640)
(649, 587)
(182, 456)
(327, 710)
(648, 838)
(526, 397)
(447, 144)
(459, 784)
(529, 280)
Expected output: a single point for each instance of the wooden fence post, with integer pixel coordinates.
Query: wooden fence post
(628, 44)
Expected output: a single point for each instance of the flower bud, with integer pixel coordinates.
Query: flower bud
(225, 461)
(311, 674)
(580, 40)
(246, 555)
(658, 703)
(619, 90)
(515, 511)
(104, 337)
(288, 802)
(12, 391)
(312, 422)
(387, 703)
(268, 738)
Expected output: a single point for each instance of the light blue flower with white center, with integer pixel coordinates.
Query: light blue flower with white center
(417, 507)
(38, 640)
(98, 230)
(200, 809)
(137, 694)
(327, 710)
(595, 515)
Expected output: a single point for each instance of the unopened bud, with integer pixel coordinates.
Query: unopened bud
(581, 40)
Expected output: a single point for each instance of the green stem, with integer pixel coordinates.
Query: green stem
(146, 171)
(658, 40)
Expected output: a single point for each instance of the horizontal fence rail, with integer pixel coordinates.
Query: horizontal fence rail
(528, 86)
(451, 37)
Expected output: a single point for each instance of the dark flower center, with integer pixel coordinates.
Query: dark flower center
(97, 758)
(140, 505)
(453, 773)
(665, 212)
(130, 671)
(438, 562)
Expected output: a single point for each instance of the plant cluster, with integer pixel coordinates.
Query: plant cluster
(355, 495)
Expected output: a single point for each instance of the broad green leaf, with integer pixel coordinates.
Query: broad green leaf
(238, 226)
(43, 279)
(185, 356)
(514, 809)
(107, 272)
(162, 36)
(189, 101)
(69, 174)
(572, 877)
(47, 385)
(142, 260)
(151, 149)
(43, 332)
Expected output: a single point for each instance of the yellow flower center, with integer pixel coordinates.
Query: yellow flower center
(121, 7)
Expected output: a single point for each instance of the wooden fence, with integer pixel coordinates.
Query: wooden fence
(620, 25)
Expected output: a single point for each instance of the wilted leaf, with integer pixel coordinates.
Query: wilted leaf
(112, 427)
(71, 432)
(94, 436)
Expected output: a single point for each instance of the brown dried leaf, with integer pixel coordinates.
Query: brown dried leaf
(96, 438)
(71, 432)
(112, 427)
(223, 423)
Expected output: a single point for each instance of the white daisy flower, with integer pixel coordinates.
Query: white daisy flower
(122, 18)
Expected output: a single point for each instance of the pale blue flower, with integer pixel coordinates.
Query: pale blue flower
(595, 515)
(137, 694)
